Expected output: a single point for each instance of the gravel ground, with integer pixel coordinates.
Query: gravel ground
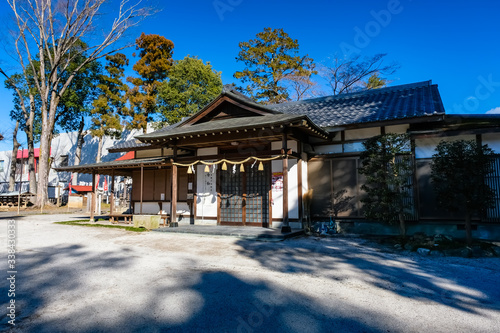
(81, 279)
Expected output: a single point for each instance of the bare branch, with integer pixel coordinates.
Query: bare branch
(46, 31)
(347, 75)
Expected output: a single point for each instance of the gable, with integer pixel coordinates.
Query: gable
(227, 110)
(227, 106)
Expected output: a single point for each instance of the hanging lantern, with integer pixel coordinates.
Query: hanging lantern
(224, 166)
(189, 170)
(207, 169)
(261, 167)
(242, 168)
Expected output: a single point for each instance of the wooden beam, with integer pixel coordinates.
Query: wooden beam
(299, 186)
(285, 227)
(112, 203)
(229, 156)
(222, 136)
(142, 185)
(244, 199)
(173, 201)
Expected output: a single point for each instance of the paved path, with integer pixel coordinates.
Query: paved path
(81, 279)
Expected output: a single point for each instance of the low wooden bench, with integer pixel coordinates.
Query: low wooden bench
(165, 218)
(126, 217)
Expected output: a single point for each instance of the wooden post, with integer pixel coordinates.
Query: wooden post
(92, 200)
(58, 202)
(285, 227)
(142, 185)
(173, 201)
(112, 203)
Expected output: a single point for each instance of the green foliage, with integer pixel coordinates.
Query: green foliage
(111, 101)
(77, 99)
(458, 172)
(153, 65)
(271, 59)
(190, 86)
(388, 170)
(20, 114)
(375, 82)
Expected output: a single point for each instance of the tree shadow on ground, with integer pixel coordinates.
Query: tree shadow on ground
(437, 280)
(63, 289)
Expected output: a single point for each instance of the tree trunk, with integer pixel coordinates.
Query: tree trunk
(31, 163)
(48, 121)
(78, 152)
(468, 228)
(402, 225)
(42, 194)
(13, 161)
(99, 149)
(31, 146)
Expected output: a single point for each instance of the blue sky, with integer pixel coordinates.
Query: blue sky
(453, 43)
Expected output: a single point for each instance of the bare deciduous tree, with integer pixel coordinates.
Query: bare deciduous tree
(302, 87)
(45, 32)
(348, 75)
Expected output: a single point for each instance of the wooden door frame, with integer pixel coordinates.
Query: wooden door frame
(243, 198)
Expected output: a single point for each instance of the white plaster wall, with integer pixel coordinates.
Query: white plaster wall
(153, 207)
(362, 133)
(293, 198)
(277, 203)
(398, 129)
(147, 208)
(293, 189)
(207, 151)
(493, 141)
(277, 166)
(426, 147)
(182, 207)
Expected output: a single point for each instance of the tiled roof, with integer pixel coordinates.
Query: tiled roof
(87, 168)
(128, 145)
(134, 143)
(226, 124)
(392, 103)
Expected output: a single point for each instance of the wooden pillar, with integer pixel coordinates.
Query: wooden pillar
(92, 199)
(173, 201)
(285, 227)
(142, 185)
(112, 203)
